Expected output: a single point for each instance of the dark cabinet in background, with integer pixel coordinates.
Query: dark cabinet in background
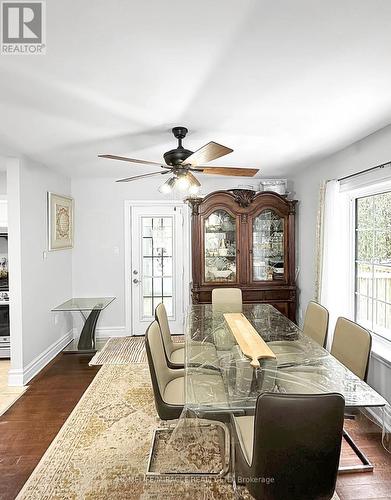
(247, 240)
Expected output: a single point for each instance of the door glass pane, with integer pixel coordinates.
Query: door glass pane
(220, 247)
(157, 256)
(268, 247)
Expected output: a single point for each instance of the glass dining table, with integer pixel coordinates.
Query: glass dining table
(219, 378)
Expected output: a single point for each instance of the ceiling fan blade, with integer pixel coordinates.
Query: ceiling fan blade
(207, 153)
(131, 160)
(231, 171)
(135, 177)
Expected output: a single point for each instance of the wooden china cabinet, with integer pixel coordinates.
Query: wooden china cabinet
(247, 240)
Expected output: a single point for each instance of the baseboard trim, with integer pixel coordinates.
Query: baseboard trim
(105, 332)
(20, 377)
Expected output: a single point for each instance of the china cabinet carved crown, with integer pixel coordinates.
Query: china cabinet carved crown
(246, 240)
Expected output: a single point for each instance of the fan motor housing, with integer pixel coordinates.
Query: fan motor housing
(176, 156)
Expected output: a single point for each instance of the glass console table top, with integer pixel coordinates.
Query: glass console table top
(85, 304)
(90, 309)
(218, 376)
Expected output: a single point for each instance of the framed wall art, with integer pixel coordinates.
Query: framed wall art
(60, 222)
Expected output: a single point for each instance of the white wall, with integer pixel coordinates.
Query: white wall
(98, 256)
(3, 198)
(38, 281)
(3, 181)
(373, 150)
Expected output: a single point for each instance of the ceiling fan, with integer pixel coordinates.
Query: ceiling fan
(181, 163)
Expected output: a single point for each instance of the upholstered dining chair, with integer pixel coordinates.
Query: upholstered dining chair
(169, 387)
(352, 346)
(168, 383)
(175, 351)
(201, 352)
(316, 322)
(227, 297)
(291, 447)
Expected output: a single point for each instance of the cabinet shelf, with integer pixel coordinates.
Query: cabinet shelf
(221, 230)
(222, 256)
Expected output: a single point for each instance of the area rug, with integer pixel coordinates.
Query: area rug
(121, 351)
(102, 450)
(124, 350)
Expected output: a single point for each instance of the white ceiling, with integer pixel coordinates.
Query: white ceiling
(282, 82)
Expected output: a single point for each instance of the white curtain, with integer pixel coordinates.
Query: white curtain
(336, 281)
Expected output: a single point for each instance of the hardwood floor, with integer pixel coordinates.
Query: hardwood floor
(28, 428)
(365, 486)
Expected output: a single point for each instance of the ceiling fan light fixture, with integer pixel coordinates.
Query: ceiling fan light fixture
(182, 183)
(168, 186)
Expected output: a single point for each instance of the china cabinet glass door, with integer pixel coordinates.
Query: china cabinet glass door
(220, 248)
(268, 261)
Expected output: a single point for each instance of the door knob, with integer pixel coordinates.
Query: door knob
(136, 281)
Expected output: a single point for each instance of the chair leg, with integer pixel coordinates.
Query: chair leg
(237, 494)
(366, 465)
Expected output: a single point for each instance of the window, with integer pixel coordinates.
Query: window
(373, 263)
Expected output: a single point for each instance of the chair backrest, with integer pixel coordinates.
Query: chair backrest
(162, 319)
(227, 296)
(316, 322)
(352, 346)
(160, 373)
(297, 442)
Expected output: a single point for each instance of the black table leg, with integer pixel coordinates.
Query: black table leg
(87, 336)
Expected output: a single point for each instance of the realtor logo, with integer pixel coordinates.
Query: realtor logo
(23, 28)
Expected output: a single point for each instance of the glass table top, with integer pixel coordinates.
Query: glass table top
(85, 304)
(219, 376)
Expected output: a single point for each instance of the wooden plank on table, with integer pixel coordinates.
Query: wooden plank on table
(250, 342)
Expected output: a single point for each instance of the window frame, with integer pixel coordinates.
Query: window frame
(372, 190)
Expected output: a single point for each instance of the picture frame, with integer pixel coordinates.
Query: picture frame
(60, 221)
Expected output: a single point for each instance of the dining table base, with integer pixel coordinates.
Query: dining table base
(365, 466)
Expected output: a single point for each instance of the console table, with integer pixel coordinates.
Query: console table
(90, 309)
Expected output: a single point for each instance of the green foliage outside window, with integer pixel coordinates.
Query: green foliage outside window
(373, 263)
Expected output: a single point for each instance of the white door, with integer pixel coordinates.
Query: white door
(157, 265)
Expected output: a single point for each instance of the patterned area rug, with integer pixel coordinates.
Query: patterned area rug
(123, 351)
(102, 450)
